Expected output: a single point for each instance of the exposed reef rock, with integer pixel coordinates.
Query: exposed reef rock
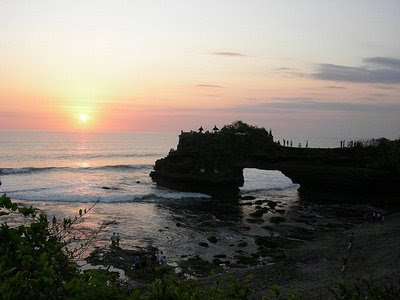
(212, 163)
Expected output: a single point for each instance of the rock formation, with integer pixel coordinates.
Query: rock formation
(212, 163)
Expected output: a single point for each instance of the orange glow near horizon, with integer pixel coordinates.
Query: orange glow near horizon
(131, 66)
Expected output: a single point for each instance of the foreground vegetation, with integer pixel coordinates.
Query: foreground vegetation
(36, 262)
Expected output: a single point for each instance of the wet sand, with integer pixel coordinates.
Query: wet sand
(315, 266)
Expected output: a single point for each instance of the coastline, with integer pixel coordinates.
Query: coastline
(302, 253)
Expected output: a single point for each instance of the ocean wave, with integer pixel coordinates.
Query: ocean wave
(103, 155)
(148, 197)
(10, 171)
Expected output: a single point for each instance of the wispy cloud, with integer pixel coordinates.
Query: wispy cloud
(384, 87)
(290, 72)
(209, 86)
(228, 53)
(379, 70)
(335, 87)
(378, 95)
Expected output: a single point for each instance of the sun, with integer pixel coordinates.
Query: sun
(83, 118)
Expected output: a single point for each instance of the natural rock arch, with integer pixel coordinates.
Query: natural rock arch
(213, 163)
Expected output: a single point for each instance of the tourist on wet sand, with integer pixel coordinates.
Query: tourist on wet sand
(157, 258)
(350, 246)
(382, 218)
(164, 260)
(136, 262)
(113, 239)
(344, 266)
(118, 238)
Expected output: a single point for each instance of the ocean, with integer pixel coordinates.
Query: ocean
(62, 172)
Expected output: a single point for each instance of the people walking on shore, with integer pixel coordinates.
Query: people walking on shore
(344, 266)
(117, 239)
(113, 239)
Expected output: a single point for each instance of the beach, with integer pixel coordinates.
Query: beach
(315, 265)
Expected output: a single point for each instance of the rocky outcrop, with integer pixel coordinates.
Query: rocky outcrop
(188, 172)
(212, 163)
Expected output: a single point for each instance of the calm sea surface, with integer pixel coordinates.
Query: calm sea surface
(62, 172)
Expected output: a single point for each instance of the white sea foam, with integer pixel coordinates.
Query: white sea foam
(257, 180)
(8, 171)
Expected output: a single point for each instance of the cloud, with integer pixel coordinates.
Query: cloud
(380, 70)
(228, 53)
(378, 95)
(283, 69)
(384, 87)
(209, 86)
(302, 104)
(335, 87)
(290, 72)
(386, 62)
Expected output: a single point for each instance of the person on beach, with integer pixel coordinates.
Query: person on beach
(164, 260)
(382, 219)
(136, 262)
(118, 238)
(344, 266)
(350, 246)
(159, 257)
(113, 239)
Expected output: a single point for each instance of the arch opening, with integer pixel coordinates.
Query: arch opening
(264, 180)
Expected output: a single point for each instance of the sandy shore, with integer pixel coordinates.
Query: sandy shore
(316, 264)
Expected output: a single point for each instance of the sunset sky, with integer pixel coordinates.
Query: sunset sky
(328, 68)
